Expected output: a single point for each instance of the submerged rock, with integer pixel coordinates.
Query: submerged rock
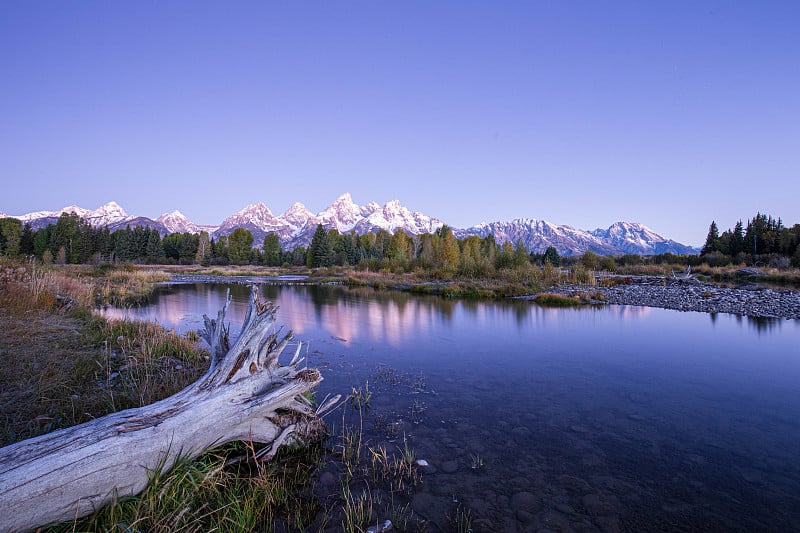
(386, 526)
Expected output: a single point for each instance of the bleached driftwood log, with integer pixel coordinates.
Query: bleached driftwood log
(245, 395)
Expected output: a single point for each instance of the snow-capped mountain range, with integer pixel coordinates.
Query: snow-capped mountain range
(296, 226)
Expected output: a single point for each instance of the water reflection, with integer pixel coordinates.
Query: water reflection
(367, 314)
(622, 417)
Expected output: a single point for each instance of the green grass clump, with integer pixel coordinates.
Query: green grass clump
(226, 489)
(557, 300)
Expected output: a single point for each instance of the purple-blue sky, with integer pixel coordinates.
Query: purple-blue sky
(582, 113)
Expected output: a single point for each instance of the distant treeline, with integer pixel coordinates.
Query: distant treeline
(763, 240)
(73, 240)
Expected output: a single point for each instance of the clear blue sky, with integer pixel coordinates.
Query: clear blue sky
(582, 113)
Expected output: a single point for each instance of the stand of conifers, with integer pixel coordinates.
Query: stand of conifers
(246, 394)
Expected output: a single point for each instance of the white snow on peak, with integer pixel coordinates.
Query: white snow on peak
(47, 214)
(259, 207)
(106, 214)
(257, 214)
(370, 208)
(297, 224)
(176, 222)
(342, 214)
(296, 216)
(103, 215)
(343, 199)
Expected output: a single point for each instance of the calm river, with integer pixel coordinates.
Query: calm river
(595, 419)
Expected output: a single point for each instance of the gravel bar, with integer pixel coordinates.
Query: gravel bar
(693, 296)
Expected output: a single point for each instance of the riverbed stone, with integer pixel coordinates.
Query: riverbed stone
(692, 295)
(449, 467)
(609, 524)
(599, 504)
(524, 516)
(327, 479)
(524, 501)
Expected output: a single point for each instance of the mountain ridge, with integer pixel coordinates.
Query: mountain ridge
(296, 226)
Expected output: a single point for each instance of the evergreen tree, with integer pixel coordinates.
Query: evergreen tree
(220, 255)
(317, 251)
(41, 241)
(124, 245)
(104, 244)
(325, 255)
(26, 241)
(188, 247)
(10, 236)
(299, 254)
(712, 240)
(87, 245)
(351, 248)
(66, 233)
(170, 245)
(551, 256)
(153, 250)
(737, 239)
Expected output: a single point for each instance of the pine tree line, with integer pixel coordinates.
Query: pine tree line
(73, 240)
(763, 239)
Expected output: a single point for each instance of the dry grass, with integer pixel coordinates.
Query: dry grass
(562, 300)
(60, 365)
(127, 284)
(26, 286)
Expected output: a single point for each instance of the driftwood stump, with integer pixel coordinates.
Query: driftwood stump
(245, 395)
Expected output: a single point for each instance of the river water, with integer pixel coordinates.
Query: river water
(615, 418)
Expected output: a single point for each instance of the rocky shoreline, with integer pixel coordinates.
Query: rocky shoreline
(690, 295)
(681, 294)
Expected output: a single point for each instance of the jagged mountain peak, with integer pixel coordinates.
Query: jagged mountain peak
(259, 207)
(176, 222)
(344, 199)
(296, 226)
(343, 214)
(106, 214)
(297, 207)
(111, 206)
(175, 214)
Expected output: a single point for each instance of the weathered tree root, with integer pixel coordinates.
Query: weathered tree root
(246, 394)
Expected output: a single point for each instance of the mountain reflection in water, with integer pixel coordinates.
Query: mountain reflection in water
(608, 418)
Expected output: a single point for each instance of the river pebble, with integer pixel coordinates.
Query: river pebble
(693, 296)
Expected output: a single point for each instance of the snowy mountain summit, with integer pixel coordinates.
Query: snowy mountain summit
(176, 222)
(109, 214)
(296, 226)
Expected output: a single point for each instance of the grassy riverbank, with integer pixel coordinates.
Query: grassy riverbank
(61, 365)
